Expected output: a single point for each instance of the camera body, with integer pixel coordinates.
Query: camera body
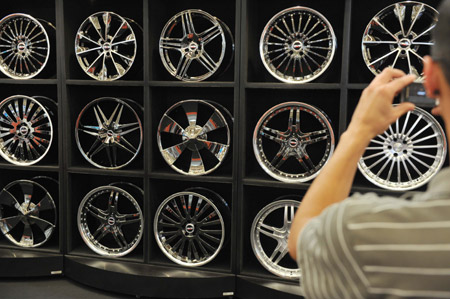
(416, 94)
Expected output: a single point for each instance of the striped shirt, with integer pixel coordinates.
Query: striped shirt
(380, 247)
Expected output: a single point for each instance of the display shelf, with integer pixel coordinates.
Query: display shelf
(254, 288)
(91, 82)
(357, 86)
(90, 170)
(46, 248)
(27, 263)
(267, 181)
(285, 86)
(192, 84)
(172, 175)
(36, 167)
(28, 82)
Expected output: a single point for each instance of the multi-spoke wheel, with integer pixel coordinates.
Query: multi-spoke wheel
(110, 221)
(194, 136)
(195, 45)
(407, 155)
(26, 130)
(109, 133)
(24, 46)
(292, 141)
(27, 213)
(269, 237)
(105, 46)
(297, 45)
(399, 36)
(189, 227)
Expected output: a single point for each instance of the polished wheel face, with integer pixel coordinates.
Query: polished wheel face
(194, 44)
(407, 155)
(399, 36)
(27, 213)
(292, 141)
(24, 46)
(189, 228)
(26, 130)
(194, 136)
(269, 238)
(110, 221)
(109, 133)
(297, 45)
(105, 46)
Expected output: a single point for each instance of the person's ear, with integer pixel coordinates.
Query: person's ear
(431, 82)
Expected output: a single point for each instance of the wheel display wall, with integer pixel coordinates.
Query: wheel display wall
(246, 89)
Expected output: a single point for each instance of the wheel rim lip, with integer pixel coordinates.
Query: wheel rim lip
(405, 186)
(134, 52)
(255, 142)
(89, 105)
(209, 104)
(83, 227)
(258, 249)
(36, 102)
(9, 237)
(161, 245)
(388, 8)
(214, 21)
(46, 38)
(294, 9)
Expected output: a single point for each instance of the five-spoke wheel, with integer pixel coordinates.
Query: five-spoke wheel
(109, 133)
(297, 45)
(407, 155)
(269, 237)
(292, 141)
(399, 36)
(105, 46)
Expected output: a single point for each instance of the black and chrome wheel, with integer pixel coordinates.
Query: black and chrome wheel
(109, 132)
(195, 45)
(27, 213)
(194, 136)
(24, 46)
(110, 221)
(269, 237)
(26, 130)
(407, 155)
(292, 141)
(399, 36)
(189, 227)
(105, 46)
(297, 45)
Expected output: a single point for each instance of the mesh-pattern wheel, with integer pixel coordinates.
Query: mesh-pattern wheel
(105, 46)
(27, 213)
(194, 45)
(297, 45)
(292, 141)
(407, 155)
(194, 136)
(269, 237)
(26, 130)
(189, 227)
(24, 46)
(110, 221)
(109, 133)
(399, 36)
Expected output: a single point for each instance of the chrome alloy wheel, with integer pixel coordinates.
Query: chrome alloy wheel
(296, 152)
(26, 130)
(399, 36)
(105, 46)
(194, 136)
(195, 45)
(109, 133)
(297, 45)
(407, 155)
(189, 227)
(269, 238)
(110, 221)
(27, 213)
(24, 46)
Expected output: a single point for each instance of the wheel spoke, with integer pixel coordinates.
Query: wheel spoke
(171, 154)
(208, 62)
(210, 33)
(278, 138)
(9, 223)
(187, 23)
(27, 235)
(196, 163)
(170, 43)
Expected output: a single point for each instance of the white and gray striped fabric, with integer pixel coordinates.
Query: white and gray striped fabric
(380, 247)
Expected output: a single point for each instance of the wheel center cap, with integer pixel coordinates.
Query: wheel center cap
(23, 130)
(111, 220)
(21, 46)
(297, 46)
(193, 46)
(404, 43)
(293, 142)
(107, 47)
(110, 133)
(398, 147)
(190, 228)
(193, 131)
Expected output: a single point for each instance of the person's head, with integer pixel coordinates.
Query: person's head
(437, 67)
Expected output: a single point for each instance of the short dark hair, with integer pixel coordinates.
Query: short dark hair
(441, 35)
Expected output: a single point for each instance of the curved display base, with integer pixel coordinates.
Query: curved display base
(147, 280)
(21, 263)
(256, 288)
